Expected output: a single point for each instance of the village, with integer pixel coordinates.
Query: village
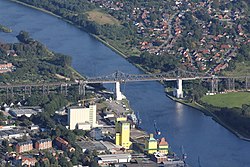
(110, 134)
(219, 36)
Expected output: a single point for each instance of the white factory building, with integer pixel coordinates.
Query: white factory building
(104, 160)
(80, 117)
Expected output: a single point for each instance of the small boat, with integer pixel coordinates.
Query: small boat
(157, 131)
(184, 155)
(138, 119)
(133, 118)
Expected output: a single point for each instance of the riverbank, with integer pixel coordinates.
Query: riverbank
(31, 6)
(207, 112)
(76, 73)
(92, 35)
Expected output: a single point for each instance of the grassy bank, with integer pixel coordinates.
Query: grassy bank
(102, 18)
(229, 100)
(119, 52)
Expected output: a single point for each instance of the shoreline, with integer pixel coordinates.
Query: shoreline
(40, 9)
(76, 72)
(117, 51)
(205, 111)
(81, 28)
(195, 106)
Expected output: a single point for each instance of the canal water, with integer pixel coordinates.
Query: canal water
(181, 125)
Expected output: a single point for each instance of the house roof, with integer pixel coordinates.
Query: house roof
(163, 142)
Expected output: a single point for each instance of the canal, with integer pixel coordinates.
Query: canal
(181, 125)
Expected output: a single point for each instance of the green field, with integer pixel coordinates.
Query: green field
(102, 18)
(230, 100)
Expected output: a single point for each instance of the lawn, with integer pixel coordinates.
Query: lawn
(102, 18)
(230, 100)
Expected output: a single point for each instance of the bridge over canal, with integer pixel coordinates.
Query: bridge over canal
(119, 77)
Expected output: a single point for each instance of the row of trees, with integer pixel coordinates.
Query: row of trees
(158, 63)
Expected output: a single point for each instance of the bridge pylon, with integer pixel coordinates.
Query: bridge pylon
(179, 91)
(231, 84)
(27, 90)
(11, 95)
(118, 93)
(81, 88)
(214, 85)
(246, 83)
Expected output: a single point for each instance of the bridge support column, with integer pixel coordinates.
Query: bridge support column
(44, 89)
(179, 91)
(81, 88)
(214, 85)
(118, 93)
(246, 83)
(231, 84)
(7, 92)
(66, 90)
(27, 90)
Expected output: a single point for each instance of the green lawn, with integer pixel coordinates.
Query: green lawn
(230, 100)
(102, 18)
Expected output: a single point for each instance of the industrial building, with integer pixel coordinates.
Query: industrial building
(163, 146)
(151, 144)
(82, 117)
(122, 136)
(91, 146)
(104, 160)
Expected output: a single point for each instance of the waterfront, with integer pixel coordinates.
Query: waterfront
(181, 125)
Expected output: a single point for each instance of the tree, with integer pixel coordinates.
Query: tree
(53, 161)
(63, 162)
(94, 164)
(79, 132)
(5, 144)
(216, 4)
(37, 164)
(74, 160)
(24, 37)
